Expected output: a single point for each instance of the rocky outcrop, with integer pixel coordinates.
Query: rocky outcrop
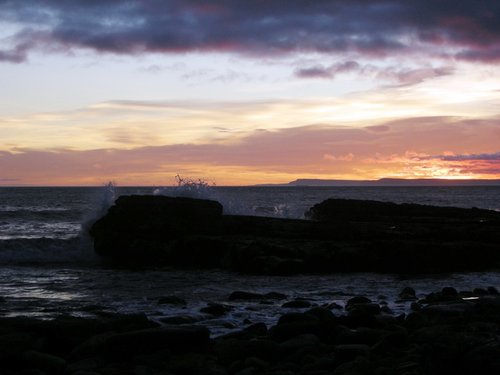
(139, 227)
(367, 210)
(341, 236)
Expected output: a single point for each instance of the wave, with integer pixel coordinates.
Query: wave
(31, 209)
(232, 204)
(43, 215)
(20, 251)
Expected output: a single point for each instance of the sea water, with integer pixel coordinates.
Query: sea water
(48, 267)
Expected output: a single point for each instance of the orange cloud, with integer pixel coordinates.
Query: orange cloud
(415, 147)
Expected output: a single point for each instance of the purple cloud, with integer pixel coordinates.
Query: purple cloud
(371, 27)
(472, 157)
(328, 72)
(402, 76)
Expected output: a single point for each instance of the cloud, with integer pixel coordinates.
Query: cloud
(475, 157)
(378, 128)
(346, 157)
(402, 76)
(9, 180)
(403, 149)
(413, 76)
(370, 27)
(331, 71)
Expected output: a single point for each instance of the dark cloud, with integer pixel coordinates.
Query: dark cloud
(328, 72)
(16, 54)
(413, 76)
(473, 157)
(402, 76)
(371, 27)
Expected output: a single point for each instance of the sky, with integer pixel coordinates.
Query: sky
(241, 92)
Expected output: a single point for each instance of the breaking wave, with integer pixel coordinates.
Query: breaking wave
(47, 234)
(231, 199)
(20, 251)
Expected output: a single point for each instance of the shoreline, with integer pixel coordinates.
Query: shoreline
(447, 332)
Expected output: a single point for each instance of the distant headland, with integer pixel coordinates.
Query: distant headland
(389, 182)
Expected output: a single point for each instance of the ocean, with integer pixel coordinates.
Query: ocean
(48, 267)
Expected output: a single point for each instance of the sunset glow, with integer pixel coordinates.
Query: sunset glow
(248, 92)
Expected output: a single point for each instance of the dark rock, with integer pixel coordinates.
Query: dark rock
(84, 365)
(13, 344)
(341, 209)
(186, 363)
(442, 312)
(493, 291)
(139, 227)
(349, 352)
(298, 304)
(407, 294)
(171, 300)
(449, 293)
(334, 306)
(253, 331)
(85, 372)
(356, 301)
(364, 308)
(359, 318)
(322, 366)
(386, 310)
(275, 296)
(185, 339)
(296, 317)
(359, 336)
(359, 366)
(216, 309)
(292, 325)
(415, 306)
(299, 342)
(231, 350)
(391, 342)
(483, 360)
(479, 292)
(43, 361)
(345, 236)
(245, 296)
(91, 346)
(175, 320)
(324, 315)
(255, 363)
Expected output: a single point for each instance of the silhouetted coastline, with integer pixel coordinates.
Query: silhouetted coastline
(342, 235)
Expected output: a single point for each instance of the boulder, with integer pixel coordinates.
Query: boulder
(176, 339)
(139, 227)
(407, 294)
(171, 300)
(216, 309)
(43, 361)
(245, 296)
(297, 304)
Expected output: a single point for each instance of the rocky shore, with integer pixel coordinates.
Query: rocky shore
(340, 235)
(446, 332)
